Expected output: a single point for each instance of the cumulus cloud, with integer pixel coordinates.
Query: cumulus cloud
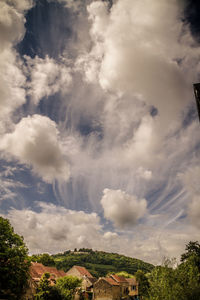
(136, 56)
(89, 63)
(121, 208)
(12, 83)
(12, 21)
(11, 25)
(35, 141)
(12, 79)
(114, 138)
(47, 77)
(21, 5)
(143, 144)
(56, 228)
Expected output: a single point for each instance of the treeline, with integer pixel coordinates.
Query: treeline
(98, 263)
(171, 281)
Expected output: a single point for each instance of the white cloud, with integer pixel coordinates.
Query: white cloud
(135, 54)
(121, 208)
(47, 77)
(98, 14)
(132, 65)
(9, 184)
(89, 63)
(11, 24)
(12, 83)
(146, 174)
(21, 5)
(8, 187)
(55, 228)
(143, 145)
(194, 211)
(190, 179)
(110, 235)
(35, 141)
(12, 79)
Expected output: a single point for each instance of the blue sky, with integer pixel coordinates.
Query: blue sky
(99, 130)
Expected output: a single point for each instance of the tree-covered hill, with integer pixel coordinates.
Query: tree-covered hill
(98, 263)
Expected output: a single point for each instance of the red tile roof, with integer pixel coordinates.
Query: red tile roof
(83, 271)
(37, 270)
(117, 278)
(110, 281)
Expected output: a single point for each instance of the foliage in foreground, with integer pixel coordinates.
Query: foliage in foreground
(14, 267)
(167, 283)
(46, 291)
(64, 289)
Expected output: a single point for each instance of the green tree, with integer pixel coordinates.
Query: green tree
(14, 266)
(45, 291)
(164, 285)
(143, 282)
(68, 286)
(188, 277)
(46, 259)
(125, 274)
(192, 250)
(180, 283)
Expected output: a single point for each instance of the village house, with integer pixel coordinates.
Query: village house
(82, 273)
(106, 288)
(36, 272)
(124, 285)
(115, 287)
(133, 287)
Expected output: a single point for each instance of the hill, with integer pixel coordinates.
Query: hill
(98, 263)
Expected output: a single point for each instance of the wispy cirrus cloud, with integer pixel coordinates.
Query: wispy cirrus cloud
(56, 229)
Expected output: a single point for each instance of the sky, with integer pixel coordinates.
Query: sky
(99, 130)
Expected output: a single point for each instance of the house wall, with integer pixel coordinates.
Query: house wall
(133, 290)
(74, 272)
(104, 291)
(85, 282)
(124, 287)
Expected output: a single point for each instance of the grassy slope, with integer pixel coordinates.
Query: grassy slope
(100, 263)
